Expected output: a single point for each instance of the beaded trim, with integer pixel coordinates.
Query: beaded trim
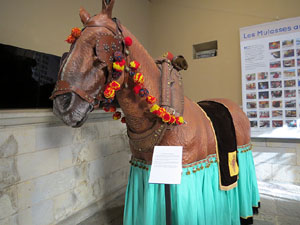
(245, 148)
(191, 167)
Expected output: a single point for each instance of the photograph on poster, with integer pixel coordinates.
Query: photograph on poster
(264, 114)
(288, 43)
(298, 62)
(276, 75)
(277, 113)
(277, 104)
(291, 123)
(276, 84)
(288, 53)
(298, 52)
(252, 114)
(289, 93)
(251, 105)
(253, 123)
(276, 94)
(289, 73)
(289, 63)
(262, 75)
(277, 123)
(264, 123)
(251, 86)
(264, 104)
(290, 104)
(274, 45)
(297, 41)
(263, 85)
(276, 64)
(275, 55)
(290, 113)
(263, 95)
(290, 83)
(251, 95)
(250, 77)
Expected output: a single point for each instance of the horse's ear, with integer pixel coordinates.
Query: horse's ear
(107, 7)
(84, 15)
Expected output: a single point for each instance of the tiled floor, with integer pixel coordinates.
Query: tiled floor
(280, 205)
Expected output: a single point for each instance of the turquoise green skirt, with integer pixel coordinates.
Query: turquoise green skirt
(197, 200)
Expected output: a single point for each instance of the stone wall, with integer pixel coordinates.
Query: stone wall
(277, 160)
(50, 172)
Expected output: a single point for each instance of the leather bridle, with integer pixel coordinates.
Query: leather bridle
(105, 47)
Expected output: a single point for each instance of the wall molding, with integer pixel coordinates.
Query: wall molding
(12, 118)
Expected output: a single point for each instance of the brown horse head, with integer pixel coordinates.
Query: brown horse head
(86, 68)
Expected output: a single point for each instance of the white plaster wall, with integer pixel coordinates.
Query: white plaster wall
(49, 172)
(277, 160)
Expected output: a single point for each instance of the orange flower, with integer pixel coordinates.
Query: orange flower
(70, 39)
(115, 85)
(109, 92)
(112, 108)
(161, 112)
(76, 32)
(138, 78)
(151, 99)
(117, 115)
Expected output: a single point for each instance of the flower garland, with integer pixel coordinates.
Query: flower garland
(138, 78)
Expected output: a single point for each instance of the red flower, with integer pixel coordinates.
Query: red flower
(70, 39)
(172, 120)
(123, 120)
(166, 117)
(137, 89)
(117, 115)
(75, 32)
(128, 41)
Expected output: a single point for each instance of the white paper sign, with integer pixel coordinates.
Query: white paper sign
(166, 165)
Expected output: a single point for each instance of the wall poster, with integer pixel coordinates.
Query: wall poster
(270, 57)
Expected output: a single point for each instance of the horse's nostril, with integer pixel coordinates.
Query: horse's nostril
(65, 101)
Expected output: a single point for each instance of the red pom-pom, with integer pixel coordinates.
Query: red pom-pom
(137, 89)
(123, 120)
(117, 115)
(151, 99)
(128, 41)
